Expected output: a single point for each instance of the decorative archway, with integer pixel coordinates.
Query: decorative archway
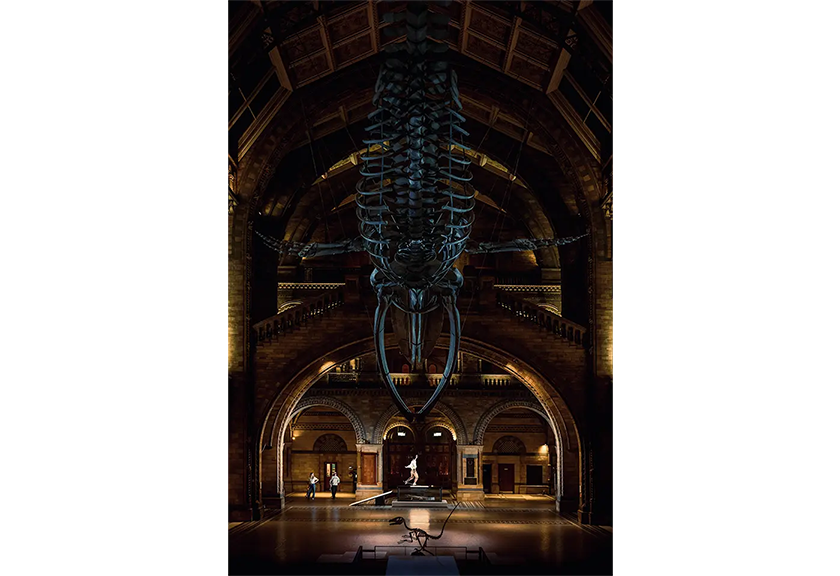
(440, 423)
(549, 402)
(498, 408)
(456, 425)
(398, 423)
(333, 403)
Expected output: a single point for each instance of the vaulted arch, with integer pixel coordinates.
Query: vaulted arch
(456, 425)
(338, 405)
(495, 410)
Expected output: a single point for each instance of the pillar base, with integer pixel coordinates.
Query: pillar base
(274, 502)
(239, 514)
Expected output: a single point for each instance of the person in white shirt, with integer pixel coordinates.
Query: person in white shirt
(334, 482)
(312, 481)
(413, 466)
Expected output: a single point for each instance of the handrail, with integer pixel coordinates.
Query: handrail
(570, 331)
(298, 317)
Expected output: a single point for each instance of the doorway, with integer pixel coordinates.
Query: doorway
(398, 450)
(487, 477)
(506, 477)
(329, 468)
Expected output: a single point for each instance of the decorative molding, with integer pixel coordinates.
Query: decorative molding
(399, 423)
(513, 428)
(233, 199)
(379, 391)
(309, 285)
(439, 423)
(548, 288)
(329, 443)
(344, 426)
(458, 428)
(351, 415)
(496, 409)
(607, 205)
(509, 445)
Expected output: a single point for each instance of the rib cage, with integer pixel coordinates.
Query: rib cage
(413, 223)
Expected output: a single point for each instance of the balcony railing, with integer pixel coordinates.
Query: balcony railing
(547, 320)
(298, 317)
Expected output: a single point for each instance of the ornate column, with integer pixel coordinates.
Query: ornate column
(468, 469)
(270, 481)
(586, 488)
(369, 462)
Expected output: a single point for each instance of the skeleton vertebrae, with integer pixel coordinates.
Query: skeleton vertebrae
(414, 224)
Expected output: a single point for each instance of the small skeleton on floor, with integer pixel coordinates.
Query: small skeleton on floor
(418, 535)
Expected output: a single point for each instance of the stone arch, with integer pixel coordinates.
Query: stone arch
(456, 424)
(400, 423)
(338, 405)
(440, 423)
(548, 401)
(498, 408)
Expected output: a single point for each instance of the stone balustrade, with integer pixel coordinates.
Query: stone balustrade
(544, 318)
(298, 317)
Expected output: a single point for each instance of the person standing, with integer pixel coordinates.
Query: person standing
(413, 466)
(312, 481)
(334, 482)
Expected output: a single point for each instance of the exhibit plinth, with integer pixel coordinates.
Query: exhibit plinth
(421, 566)
(420, 497)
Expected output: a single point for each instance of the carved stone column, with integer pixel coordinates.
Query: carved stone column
(239, 505)
(468, 470)
(369, 462)
(270, 481)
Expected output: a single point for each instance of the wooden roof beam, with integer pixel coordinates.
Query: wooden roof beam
(325, 38)
(374, 26)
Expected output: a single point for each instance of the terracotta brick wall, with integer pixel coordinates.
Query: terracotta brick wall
(276, 364)
(305, 462)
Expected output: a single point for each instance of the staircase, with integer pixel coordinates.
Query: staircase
(543, 318)
(299, 317)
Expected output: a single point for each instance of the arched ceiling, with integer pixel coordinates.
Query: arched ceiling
(278, 47)
(301, 84)
(294, 206)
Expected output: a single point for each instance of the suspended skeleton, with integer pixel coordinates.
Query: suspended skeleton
(414, 201)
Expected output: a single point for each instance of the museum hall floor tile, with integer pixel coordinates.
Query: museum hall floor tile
(525, 539)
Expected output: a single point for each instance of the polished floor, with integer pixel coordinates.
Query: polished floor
(518, 536)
